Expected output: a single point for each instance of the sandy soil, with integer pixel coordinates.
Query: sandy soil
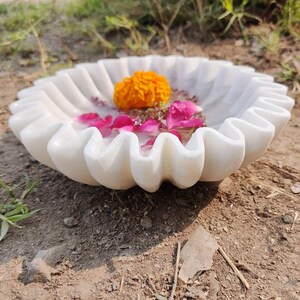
(110, 255)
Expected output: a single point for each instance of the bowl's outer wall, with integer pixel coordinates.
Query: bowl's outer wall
(245, 110)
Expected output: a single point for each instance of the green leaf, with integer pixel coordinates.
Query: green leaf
(7, 189)
(4, 230)
(20, 217)
(30, 185)
(3, 218)
(15, 186)
(252, 16)
(244, 3)
(228, 5)
(231, 21)
(16, 211)
(223, 15)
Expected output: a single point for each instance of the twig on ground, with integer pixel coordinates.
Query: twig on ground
(176, 272)
(234, 268)
(279, 190)
(295, 219)
(282, 172)
(71, 54)
(75, 195)
(121, 284)
(103, 41)
(226, 296)
(166, 26)
(273, 194)
(43, 55)
(151, 284)
(114, 193)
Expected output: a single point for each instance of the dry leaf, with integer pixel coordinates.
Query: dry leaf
(195, 292)
(214, 286)
(197, 253)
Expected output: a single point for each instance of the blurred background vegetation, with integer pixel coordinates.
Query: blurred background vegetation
(136, 25)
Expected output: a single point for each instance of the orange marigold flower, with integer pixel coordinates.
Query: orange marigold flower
(142, 90)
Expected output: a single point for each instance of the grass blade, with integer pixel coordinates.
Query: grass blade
(4, 230)
(7, 189)
(223, 15)
(252, 16)
(231, 21)
(17, 210)
(30, 185)
(20, 217)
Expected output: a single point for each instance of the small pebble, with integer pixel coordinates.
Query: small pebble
(181, 202)
(38, 271)
(165, 217)
(71, 222)
(296, 188)
(239, 43)
(32, 159)
(287, 219)
(115, 286)
(168, 229)
(146, 222)
(72, 247)
(53, 255)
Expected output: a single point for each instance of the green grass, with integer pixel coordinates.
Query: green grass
(134, 24)
(290, 72)
(207, 15)
(14, 210)
(290, 18)
(17, 20)
(23, 15)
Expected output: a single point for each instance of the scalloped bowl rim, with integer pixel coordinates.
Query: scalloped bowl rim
(257, 109)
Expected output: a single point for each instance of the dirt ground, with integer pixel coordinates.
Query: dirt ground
(111, 255)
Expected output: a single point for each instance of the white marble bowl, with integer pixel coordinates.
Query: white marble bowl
(244, 110)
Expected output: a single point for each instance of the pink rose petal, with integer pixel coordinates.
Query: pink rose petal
(103, 125)
(99, 123)
(123, 122)
(176, 133)
(150, 126)
(196, 123)
(188, 108)
(105, 131)
(89, 117)
(180, 115)
(149, 143)
(180, 111)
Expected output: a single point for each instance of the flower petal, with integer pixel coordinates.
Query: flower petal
(180, 111)
(102, 125)
(89, 117)
(192, 123)
(149, 143)
(123, 122)
(188, 108)
(99, 123)
(176, 132)
(150, 126)
(105, 131)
